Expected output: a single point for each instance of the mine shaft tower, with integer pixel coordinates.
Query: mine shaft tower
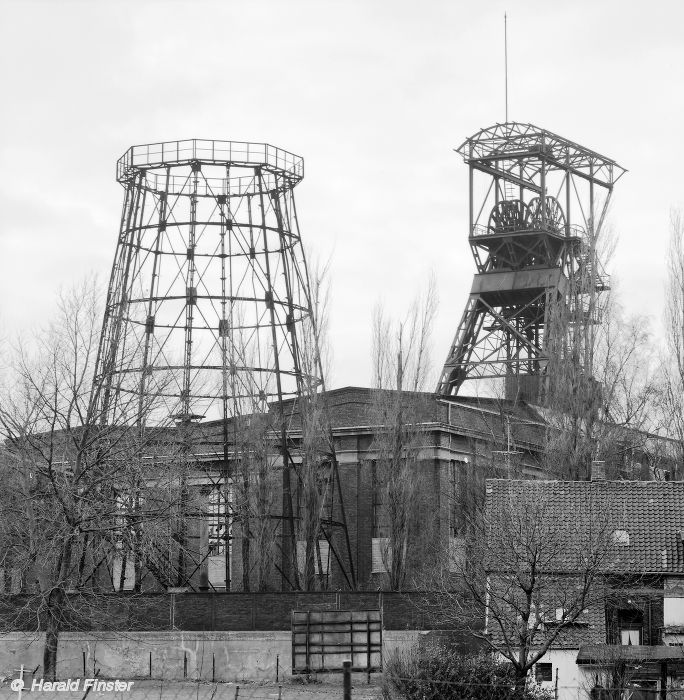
(536, 206)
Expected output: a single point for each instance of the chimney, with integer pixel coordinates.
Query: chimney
(598, 470)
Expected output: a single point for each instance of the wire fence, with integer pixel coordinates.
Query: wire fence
(333, 686)
(106, 689)
(421, 688)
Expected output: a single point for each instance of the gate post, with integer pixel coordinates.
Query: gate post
(346, 680)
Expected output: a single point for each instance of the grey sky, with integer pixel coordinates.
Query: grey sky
(373, 94)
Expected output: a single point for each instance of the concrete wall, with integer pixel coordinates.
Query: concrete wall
(397, 641)
(220, 656)
(18, 648)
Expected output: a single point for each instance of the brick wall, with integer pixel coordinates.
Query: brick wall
(230, 611)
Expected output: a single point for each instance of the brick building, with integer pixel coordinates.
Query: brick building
(460, 442)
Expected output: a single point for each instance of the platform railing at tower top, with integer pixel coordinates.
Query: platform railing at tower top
(239, 152)
(572, 231)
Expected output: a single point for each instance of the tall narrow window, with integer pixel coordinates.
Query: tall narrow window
(124, 545)
(380, 552)
(454, 499)
(217, 520)
(457, 483)
(380, 518)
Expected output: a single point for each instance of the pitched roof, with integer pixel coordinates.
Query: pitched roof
(644, 518)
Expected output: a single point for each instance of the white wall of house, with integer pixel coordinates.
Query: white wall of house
(673, 611)
(573, 683)
(673, 605)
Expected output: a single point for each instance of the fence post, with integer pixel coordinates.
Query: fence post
(555, 690)
(346, 680)
(237, 691)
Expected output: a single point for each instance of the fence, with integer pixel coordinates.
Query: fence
(344, 686)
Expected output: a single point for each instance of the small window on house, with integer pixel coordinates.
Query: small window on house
(620, 537)
(544, 673)
(630, 625)
(630, 637)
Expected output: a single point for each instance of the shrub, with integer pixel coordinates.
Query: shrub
(437, 672)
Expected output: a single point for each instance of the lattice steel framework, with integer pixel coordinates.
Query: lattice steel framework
(537, 203)
(208, 308)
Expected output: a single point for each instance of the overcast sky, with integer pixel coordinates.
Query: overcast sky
(373, 94)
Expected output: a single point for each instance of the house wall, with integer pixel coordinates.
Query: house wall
(673, 611)
(572, 682)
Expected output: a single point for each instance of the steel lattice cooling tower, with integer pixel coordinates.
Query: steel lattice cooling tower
(208, 307)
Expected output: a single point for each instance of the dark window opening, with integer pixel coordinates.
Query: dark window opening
(454, 500)
(630, 625)
(544, 673)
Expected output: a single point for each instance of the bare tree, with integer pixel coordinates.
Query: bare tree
(401, 367)
(254, 497)
(305, 545)
(246, 487)
(529, 574)
(315, 477)
(79, 501)
(601, 390)
(672, 381)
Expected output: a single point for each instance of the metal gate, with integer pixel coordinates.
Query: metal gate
(323, 639)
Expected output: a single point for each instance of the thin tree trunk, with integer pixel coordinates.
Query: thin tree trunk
(55, 606)
(246, 534)
(246, 525)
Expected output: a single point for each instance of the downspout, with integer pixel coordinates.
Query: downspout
(486, 625)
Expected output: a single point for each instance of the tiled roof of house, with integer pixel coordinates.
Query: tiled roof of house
(644, 519)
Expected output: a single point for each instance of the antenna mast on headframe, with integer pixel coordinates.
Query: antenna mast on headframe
(506, 61)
